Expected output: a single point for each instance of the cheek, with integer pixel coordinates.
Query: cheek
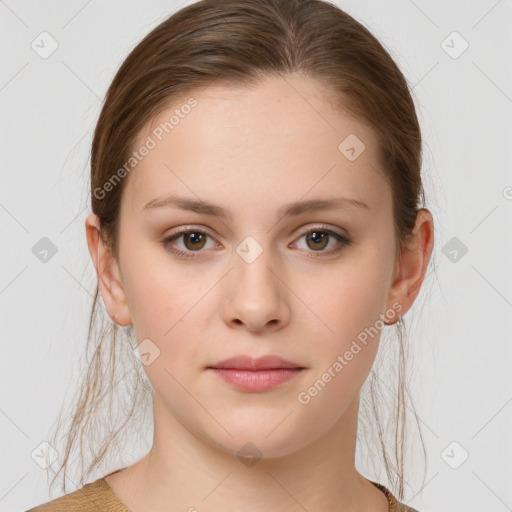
(159, 292)
(345, 351)
(350, 298)
(345, 314)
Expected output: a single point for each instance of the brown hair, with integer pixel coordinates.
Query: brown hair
(239, 43)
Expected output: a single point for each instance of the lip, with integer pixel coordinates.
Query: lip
(268, 362)
(256, 375)
(256, 381)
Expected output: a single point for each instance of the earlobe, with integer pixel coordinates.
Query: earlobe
(413, 263)
(108, 273)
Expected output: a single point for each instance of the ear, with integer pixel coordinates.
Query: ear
(109, 275)
(412, 265)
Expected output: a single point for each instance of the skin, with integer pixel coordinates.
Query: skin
(251, 151)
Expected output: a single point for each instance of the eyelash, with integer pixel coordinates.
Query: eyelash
(342, 240)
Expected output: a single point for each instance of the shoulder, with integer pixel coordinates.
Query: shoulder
(400, 507)
(96, 496)
(394, 504)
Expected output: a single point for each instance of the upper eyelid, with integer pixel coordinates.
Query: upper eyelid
(322, 227)
(302, 231)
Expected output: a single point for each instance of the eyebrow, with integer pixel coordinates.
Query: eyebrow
(288, 210)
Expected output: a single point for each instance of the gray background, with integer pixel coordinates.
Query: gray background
(462, 337)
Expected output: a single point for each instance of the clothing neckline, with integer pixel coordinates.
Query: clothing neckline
(392, 503)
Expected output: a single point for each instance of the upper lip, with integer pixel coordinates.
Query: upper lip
(244, 362)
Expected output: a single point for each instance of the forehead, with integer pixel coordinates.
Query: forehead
(279, 140)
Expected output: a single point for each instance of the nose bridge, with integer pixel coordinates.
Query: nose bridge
(256, 295)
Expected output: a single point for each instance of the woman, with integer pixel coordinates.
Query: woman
(256, 223)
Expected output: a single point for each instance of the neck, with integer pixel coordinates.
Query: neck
(183, 471)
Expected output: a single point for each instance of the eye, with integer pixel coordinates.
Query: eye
(193, 239)
(318, 238)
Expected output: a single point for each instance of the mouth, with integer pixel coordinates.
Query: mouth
(256, 375)
(268, 362)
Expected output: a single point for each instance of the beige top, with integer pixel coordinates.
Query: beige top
(98, 496)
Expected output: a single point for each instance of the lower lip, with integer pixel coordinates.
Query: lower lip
(256, 380)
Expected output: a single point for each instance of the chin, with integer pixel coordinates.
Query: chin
(258, 438)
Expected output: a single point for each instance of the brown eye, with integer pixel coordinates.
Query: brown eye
(319, 239)
(194, 240)
(191, 243)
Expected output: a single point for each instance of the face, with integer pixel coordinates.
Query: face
(252, 281)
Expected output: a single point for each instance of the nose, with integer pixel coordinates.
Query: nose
(255, 296)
